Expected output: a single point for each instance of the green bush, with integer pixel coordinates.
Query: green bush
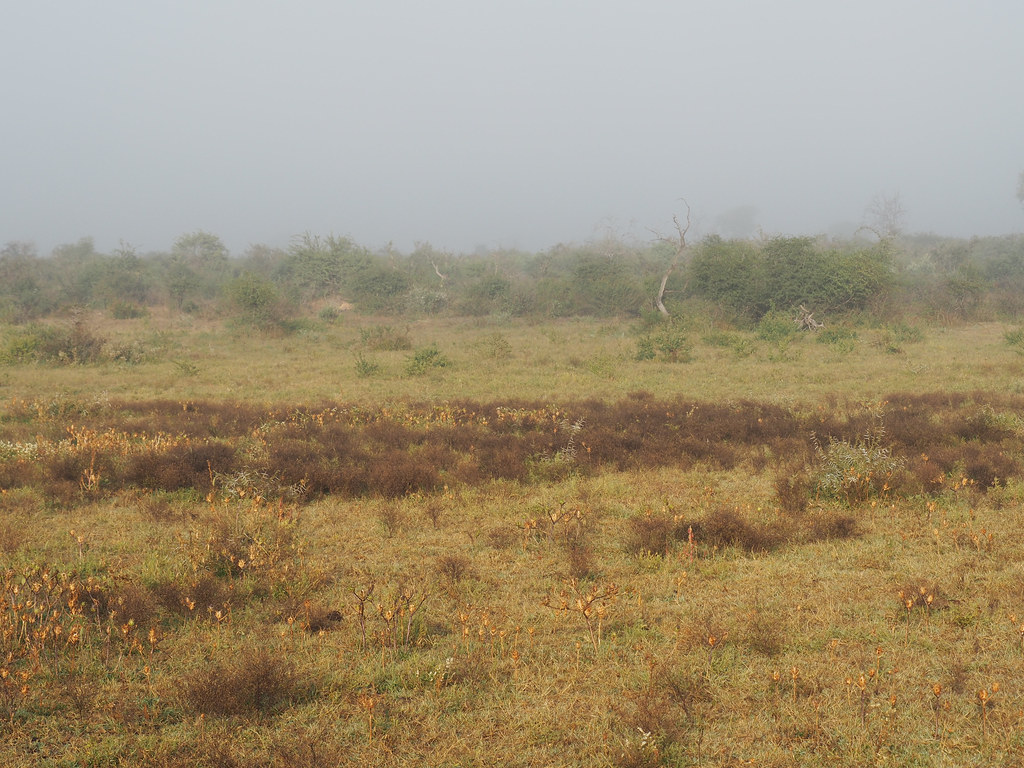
(258, 303)
(424, 360)
(777, 327)
(854, 472)
(1015, 339)
(839, 338)
(49, 344)
(751, 280)
(366, 367)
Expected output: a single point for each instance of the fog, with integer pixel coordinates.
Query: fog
(470, 124)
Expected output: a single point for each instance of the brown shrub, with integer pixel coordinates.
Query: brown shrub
(181, 466)
(918, 591)
(200, 598)
(830, 524)
(11, 534)
(579, 558)
(724, 527)
(765, 632)
(250, 682)
(792, 489)
(650, 534)
(397, 473)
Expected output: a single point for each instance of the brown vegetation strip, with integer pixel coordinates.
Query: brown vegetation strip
(67, 448)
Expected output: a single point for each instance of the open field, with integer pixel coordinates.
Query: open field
(478, 543)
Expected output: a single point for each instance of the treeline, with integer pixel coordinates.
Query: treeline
(740, 280)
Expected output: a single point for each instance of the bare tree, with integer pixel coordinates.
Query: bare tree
(679, 243)
(884, 216)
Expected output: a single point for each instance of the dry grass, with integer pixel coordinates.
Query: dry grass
(438, 582)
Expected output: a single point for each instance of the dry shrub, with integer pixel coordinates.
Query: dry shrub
(132, 603)
(202, 597)
(434, 511)
(391, 518)
(250, 682)
(313, 617)
(181, 466)
(827, 524)
(918, 591)
(668, 708)
(765, 632)
(398, 473)
(650, 534)
(499, 457)
(500, 537)
(724, 527)
(986, 465)
(579, 558)
(792, 489)
(453, 568)
(11, 535)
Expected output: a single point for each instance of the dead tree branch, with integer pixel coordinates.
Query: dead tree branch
(679, 242)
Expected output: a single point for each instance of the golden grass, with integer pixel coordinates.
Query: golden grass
(805, 655)
(556, 360)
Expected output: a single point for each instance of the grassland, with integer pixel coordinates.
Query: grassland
(311, 550)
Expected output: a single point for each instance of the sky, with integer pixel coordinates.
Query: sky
(472, 124)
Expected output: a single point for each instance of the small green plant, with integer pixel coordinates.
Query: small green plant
(1015, 340)
(366, 367)
(425, 359)
(496, 347)
(185, 368)
(670, 344)
(777, 328)
(895, 335)
(645, 349)
(840, 339)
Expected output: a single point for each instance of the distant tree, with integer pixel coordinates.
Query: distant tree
(22, 297)
(200, 248)
(80, 251)
(1020, 188)
(884, 216)
(182, 283)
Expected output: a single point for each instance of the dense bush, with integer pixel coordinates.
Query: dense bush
(786, 272)
(740, 279)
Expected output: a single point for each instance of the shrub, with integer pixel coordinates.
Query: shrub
(853, 472)
(724, 527)
(258, 303)
(424, 360)
(254, 682)
(366, 367)
(384, 338)
(51, 344)
(650, 534)
(839, 338)
(776, 328)
(1015, 340)
(670, 343)
(496, 347)
(645, 348)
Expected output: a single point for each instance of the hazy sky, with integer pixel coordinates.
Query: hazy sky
(469, 122)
